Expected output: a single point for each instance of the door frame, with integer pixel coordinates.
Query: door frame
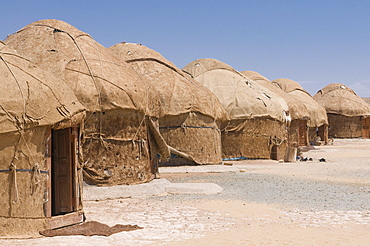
(74, 216)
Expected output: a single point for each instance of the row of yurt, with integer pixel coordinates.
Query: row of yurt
(348, 114)
(298, 115)
(120, 142)
(318, 122)
(257, 116)
(191, 116)
(40, 172)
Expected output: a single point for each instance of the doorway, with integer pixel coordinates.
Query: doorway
(366, 127)
(302, 133)
(63, 165)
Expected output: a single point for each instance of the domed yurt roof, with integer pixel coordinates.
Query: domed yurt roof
(30, 96)
(179, 92)
(297, 110)
(241, 97)
(338, 98)
(317, 113)
(99, 79)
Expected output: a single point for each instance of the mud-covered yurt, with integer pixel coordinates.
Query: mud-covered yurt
(298, 114)
(257, 124)
(120, 139)
(40, 171)
(348, 114)
(318, 122)
(191, 115)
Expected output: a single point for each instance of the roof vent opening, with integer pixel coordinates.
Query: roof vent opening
(197, 64)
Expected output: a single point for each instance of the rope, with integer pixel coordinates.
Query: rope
(23, 170)
(13, 168)
(35, 178)
(185, 126)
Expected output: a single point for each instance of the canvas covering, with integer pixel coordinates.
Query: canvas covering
(297, 110)
(27, 100)
(317, 113)
(241, 97)
(338, 98)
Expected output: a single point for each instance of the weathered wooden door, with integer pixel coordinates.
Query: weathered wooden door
(63, 174)
(365, 127)
(302, 132)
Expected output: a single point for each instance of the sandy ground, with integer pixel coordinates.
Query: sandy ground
(314, 203)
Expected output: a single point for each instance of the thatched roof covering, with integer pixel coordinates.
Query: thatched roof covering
(297, 110)
(179, 92)
(241, 97)
(337, 98)
(317, 113)
(30, 96)
(100, 80)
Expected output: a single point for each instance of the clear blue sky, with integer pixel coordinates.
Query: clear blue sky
(312, 42)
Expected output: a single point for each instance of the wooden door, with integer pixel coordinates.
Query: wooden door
(365, 127)
(63, 174)
(302, 132)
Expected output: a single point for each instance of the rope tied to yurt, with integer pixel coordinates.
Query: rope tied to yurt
(276, 141)
(36, 178)
(13, 169)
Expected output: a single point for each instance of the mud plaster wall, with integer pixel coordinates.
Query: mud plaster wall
(121, 155)
(253, 138)
(194, 134)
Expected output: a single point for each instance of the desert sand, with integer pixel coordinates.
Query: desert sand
(264, 203)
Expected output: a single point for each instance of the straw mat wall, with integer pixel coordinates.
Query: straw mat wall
(253, 138)
(342, 126)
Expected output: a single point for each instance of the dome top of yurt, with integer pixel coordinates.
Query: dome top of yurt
(100, 80)
(241, 97)
(297, 110)
(317, 113)
(31, 96)
(178, 91)
(338, 98)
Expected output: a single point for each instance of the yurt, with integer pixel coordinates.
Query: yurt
(121, 130)
(318, 122)
(348, 114)
(257, 120)
(40, 169)
(298, 114)
(191, 115)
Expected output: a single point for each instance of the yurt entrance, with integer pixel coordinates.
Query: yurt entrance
(365, 127)
(63, 186)
(63, 171)
(302, 133)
